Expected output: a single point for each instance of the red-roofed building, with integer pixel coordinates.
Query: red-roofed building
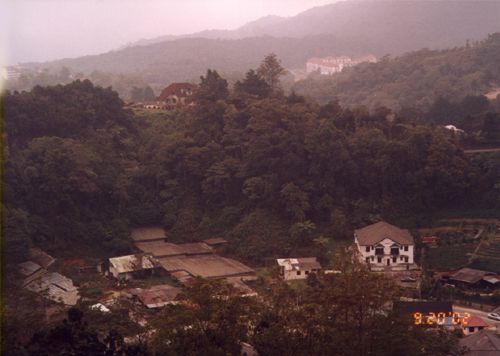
(176, 94)
(429, 241)
(474, 324)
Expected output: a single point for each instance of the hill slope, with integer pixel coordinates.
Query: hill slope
(404, 25)
(414, 80)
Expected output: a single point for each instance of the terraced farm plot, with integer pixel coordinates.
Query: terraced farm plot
(487, 256)
(445, 258)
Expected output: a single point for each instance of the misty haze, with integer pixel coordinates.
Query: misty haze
(250, 177)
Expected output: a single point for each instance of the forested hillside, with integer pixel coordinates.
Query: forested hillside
(270, 172)
(414, 80)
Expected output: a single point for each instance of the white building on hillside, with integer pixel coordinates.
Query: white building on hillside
(385, 247)
(297, 268)
(332, 65)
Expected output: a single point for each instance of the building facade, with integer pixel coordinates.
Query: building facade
(332, 65)
(297, 268)
(176, 94)
(383, 246)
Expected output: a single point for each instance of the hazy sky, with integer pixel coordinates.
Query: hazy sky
(40, 30)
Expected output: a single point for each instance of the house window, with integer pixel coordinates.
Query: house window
(373, 258)
(406, 258)
(307, 272)
(406, 248)
(368, 260)
(395, 251)
(367, 248)
(379, 259)
(471, 329)
(298, 273)
(394, 259)
(379, 251)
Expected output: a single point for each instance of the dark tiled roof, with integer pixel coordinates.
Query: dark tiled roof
(371, 234)
(468, 275)
(177, 89)
(484, 343)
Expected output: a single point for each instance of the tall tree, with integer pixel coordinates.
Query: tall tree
(271, 70)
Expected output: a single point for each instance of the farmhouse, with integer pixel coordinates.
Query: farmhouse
(176, 94)
(297, 268)
(474, 325)
(385, 247)
(128, 267)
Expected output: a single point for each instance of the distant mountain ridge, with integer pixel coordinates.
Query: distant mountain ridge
(250, 29)
(343, 28)
(431, 24)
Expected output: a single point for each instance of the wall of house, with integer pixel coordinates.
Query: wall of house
(120, 276)
(471, 330)
(386, 244)
(292, 275)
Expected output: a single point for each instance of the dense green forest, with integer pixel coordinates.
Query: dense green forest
(414, 80)
(268, 171)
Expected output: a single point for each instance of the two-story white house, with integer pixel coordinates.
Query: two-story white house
(385, 247)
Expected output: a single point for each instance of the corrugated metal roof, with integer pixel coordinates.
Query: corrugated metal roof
(157, 296)
(131, 263)
(207, 266)
(492, 279)
(28, 268)
(215, 241)
(468, 275)
(166, 249)
(149, 233)
(54, 286)
(40, 257)
(484, 342)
